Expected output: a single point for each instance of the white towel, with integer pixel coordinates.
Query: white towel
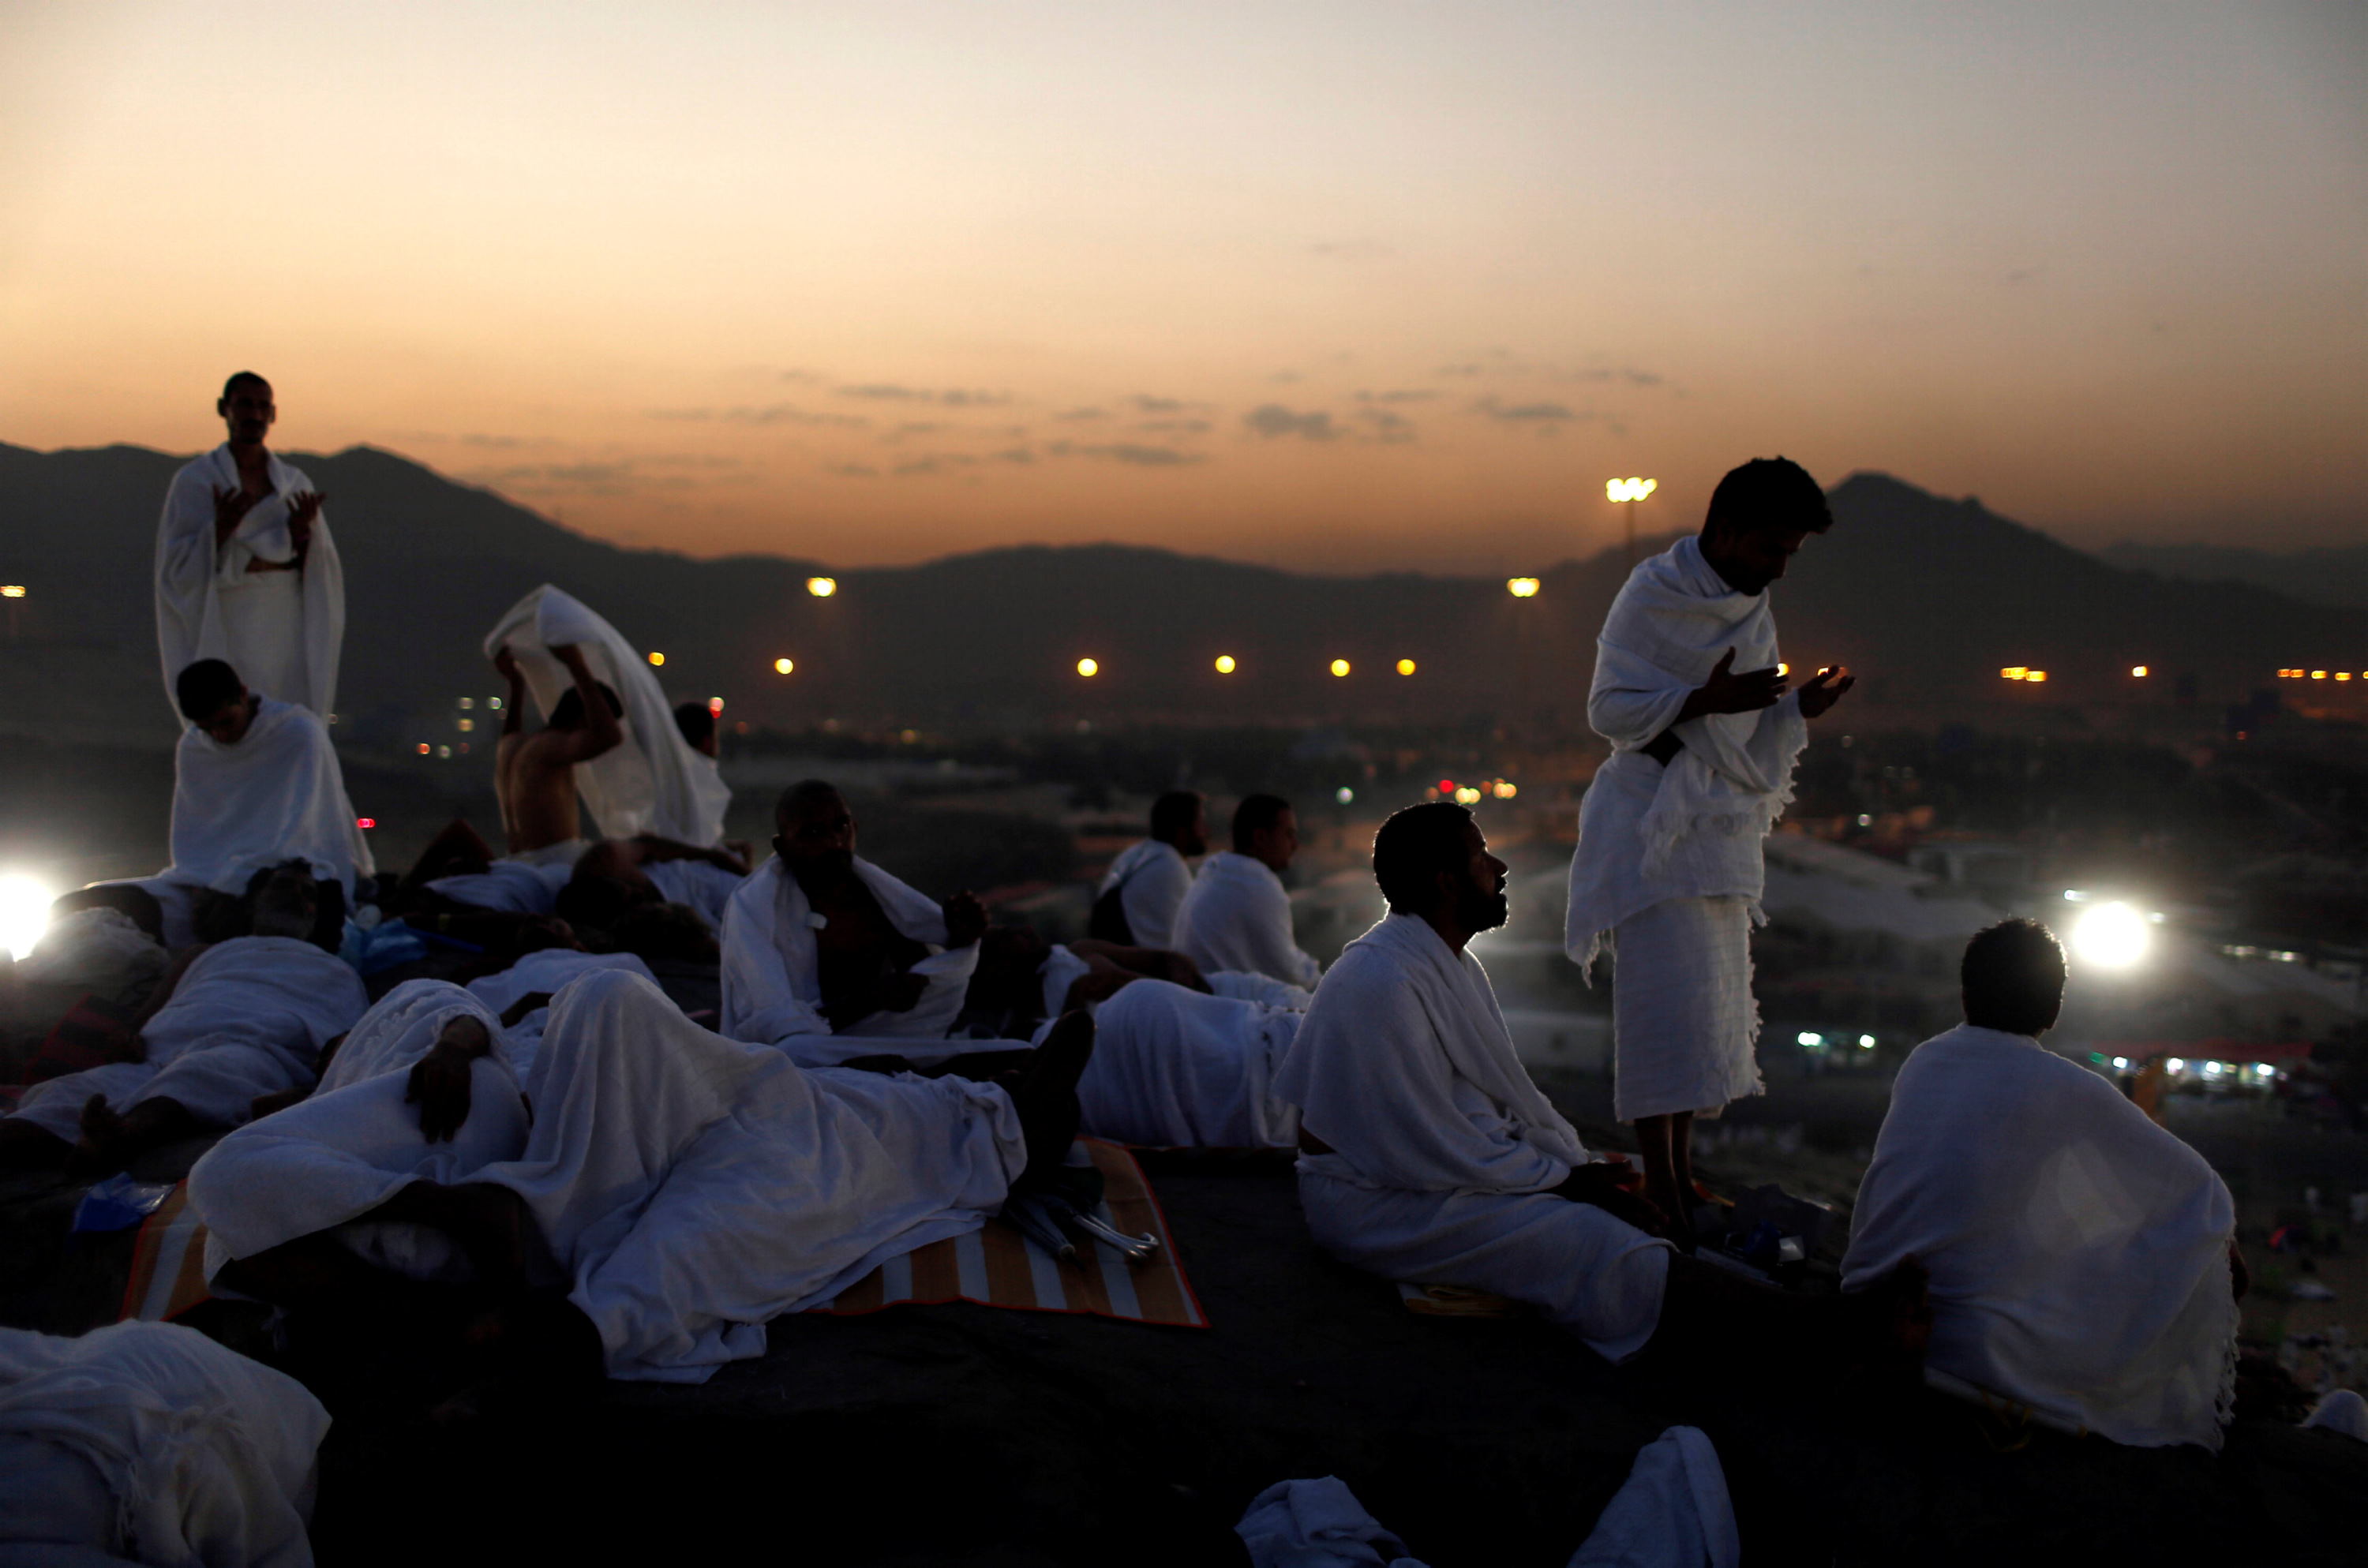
(548, 970)
(651, 783)
(281, 630)
(1237, 915)
(275, 795)
(1693, 828)
(1182, 1069)
(2078, 1253)
(1672, 1512)
(207, 1457)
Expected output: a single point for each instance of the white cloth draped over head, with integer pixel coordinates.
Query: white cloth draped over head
(2078, 1253)
(1237, 915)
(249, 1018)
(178, 1451)
(653, 782)
(547, 971)
(323, 1163)
(281, 630)
(772, 973)
(1673, 1511)
(277, 794)
(696, 1186)
(1151, 879)
(1693, 828)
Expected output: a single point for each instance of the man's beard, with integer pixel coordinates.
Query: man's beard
(1477, 909)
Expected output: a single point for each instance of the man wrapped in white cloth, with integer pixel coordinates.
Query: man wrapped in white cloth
(1428, 1154)
(147, 1442)
(1140, 895)
(246, 570)
(1670, 863)
(241, 1021)
(682, 1188)
(255, 783)
(1236, 914)
(825, 954)
(2083, 1260)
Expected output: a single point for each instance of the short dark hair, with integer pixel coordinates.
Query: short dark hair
(799, 796)
(239, 378)
(1413, 846)
(567, 713)
(1173, 812)
(2013, 978)
(1255, 815)
(1768, 492)
(696, 722)
(204, 686)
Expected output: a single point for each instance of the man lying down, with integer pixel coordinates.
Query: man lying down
(1430, 1156)
(235, 1022)
(1179, 1061)
(670, 1192)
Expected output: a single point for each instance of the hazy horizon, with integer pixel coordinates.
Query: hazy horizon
(1326, 287)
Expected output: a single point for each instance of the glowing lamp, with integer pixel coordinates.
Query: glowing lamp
(1343, 795)
(657, 659)
(24, 911)
(2015, 672)
(2036, 677)
(784, 666)
(1405, 666)
(1226, 664)
(425, 748)
(1088, 668)
(822, 587)
(12, 591)
(715, 705)
(1467, 796)
(1522, 587)
(1339, 667)
(2138, 671)
(1447, 786)
(2110, 936)
(366, 824)
(2318, 674)
(1630, 489)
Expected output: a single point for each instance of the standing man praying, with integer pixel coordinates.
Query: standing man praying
(246, 570)
(1691, 694)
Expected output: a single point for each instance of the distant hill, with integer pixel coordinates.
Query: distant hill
(1929, 596)
(2336, 577)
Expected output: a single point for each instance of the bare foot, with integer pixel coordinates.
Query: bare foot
(1046, 1095)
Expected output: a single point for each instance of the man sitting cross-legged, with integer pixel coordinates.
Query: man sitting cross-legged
(239, 1021)
(1179, 1062)
(824, 953)
(1431, 1157)
(2083, 1259)
(682, 1188)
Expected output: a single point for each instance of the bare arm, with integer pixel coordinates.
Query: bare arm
(601, 733)
(653, 849)
(1724, 693)
(514, 706)
(1153, 963)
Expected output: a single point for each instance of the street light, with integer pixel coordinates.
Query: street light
(784, 666)
(657, 659)
(1088, 668)
(1405, 666)
(1522, 587)
(12, 591)
(822, 587)
(1341, 667)
(1628, 492)
(1226, 665)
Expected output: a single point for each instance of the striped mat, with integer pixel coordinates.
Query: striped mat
(997, 1266)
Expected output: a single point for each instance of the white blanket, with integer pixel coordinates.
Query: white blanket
(205, 1457)
(1672, 1512)
(525, 883)
(547, 971)
(1693, 828)
(695, 883)
(696, 1186)
(1173, 1068)
(275, 795)
(1237, 915)
(772, 975)
(281, 630)
(651, 783)
(1152, 880)
(2078, 1253)
(1445, 1152)
(249, 1018)
(97, 949)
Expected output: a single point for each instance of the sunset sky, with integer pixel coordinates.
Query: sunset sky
(1347, 286)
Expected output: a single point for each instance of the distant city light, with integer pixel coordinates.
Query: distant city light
(467, 703)
(2015, 672)
(1467, 796)
(2344, 675)
(12, 591)
(1630, 489)
(1805, 1038)
(1343, 795)
(1447, 786)
(1522, 587)
(1503, 789)
(494, 703)
(2036, 677)
(2110, 936)
(2318, 674)
(1405, 666)
(1226, 664)
(1866, 1042)
(715, 705)
(2139, 671)
(24, 911)
(366, 824)
(2120, 1064)
(657, 659)
(1339, 667)
(1088, 668)
(443, 751)
(2177, 1064)
(784, 666)
(822, 587)
(464, 725)
(425, 748)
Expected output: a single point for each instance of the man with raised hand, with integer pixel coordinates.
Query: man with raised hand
(246, 570)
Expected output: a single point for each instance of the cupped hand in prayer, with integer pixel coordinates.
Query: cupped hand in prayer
(1825, 688)
(231, 507)
(304, 511)
(1727, 692)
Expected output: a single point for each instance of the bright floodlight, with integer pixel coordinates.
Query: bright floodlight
(784, 666)
(23, 913)
(1405, 666)
(1088, 668)
(2110, 936)
(2138, 671)
(1522, 587)
(1630, 489)
(13, 591)
(1226, 665)
(822, 587)
(1339, 667)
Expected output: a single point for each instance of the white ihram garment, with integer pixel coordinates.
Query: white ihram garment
(2078, 1253)
(275, 794)
(1151, 879)
(322, 1164)
(1683, 1020)
(147, 1442)
(772, 974)
(696, 884)
(525, 883)
(281, 630)
(1444, 1152)
(653, 782)
(696, 1186)
(547, 971)
(1237, 915)
(249, 1018)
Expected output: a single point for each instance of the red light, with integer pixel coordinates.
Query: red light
(715, 705)
(425, 748)
(1447, 786)
(365, 822)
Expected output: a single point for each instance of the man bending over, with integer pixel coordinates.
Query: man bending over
(1430, 1154)
(2083, 1259)
(1238, 914)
